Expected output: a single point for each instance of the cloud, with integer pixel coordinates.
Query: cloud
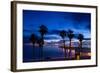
(79, 20)
(53, 36)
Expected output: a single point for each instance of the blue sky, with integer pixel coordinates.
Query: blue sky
(56, 21)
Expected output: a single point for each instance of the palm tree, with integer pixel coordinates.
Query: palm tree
(39, 41)
(70, 36)
(43, 30)
(33, 39)
(80, 38)
(63, 35)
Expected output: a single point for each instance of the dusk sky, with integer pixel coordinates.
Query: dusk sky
(56, 21)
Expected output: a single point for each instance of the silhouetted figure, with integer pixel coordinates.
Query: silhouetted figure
(63, 35)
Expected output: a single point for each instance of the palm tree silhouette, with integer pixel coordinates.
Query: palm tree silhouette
(80, 38)
(70, 36)
(33, 39)
(63, 35)
(43, 30)
(39, 41)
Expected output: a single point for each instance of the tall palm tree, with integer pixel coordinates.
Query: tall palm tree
(80, 38)
(70, 36)
(43, 30)
(63, 35)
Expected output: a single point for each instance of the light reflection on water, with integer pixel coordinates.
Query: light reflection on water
(31, 53)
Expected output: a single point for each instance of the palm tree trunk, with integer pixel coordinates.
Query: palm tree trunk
(64, 48)
(70, 48)
(42, 46)
(80, 48)
(33, 51)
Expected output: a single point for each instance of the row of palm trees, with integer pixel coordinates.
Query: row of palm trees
(70, 35)
(43, 30)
